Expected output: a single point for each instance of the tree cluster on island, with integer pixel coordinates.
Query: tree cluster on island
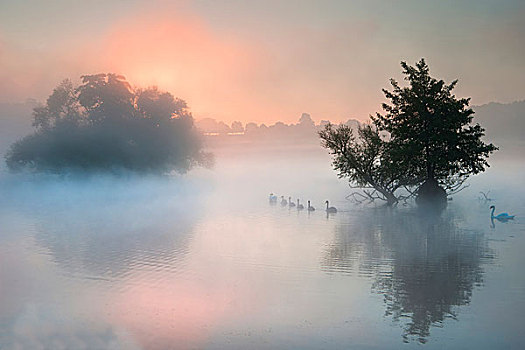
(106, 125)
(424, 144)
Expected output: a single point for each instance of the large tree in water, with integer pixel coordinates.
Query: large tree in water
(431, 132)
(429, 142)
(105, 124)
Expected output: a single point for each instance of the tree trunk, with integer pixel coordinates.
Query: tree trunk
(390, 198)
(430, 193)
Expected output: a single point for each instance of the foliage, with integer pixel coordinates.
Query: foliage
(431, 134)
(105, 124)
(425, 135)
(365, 160)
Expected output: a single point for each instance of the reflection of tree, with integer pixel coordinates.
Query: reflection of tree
(424, 267)
(108, 235)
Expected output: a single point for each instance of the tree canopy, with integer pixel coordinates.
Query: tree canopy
(430, 129)
(428, 138)
(105, 124)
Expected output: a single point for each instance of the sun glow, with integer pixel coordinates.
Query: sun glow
(184, 57)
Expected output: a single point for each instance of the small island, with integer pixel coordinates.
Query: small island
(105, 125)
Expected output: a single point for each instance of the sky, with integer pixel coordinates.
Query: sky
(265, 61)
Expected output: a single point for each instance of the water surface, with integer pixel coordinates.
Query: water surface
(204, 261)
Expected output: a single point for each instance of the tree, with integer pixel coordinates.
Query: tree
(430, 130)
(251, 128)
(365, 161)
(62, 106)
(237, 127)
(306, 121)
(424, 143)
(105, 125)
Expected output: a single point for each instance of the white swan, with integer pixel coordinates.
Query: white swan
(330, 209)
(290, 203)
(500, 217)
(272, 198)
(299, 206)
(310, 208)
(283, 201)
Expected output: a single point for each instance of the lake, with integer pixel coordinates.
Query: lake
(204, 261)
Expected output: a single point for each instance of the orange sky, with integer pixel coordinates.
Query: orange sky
(264, 62)
(223, 77)
(183, 56)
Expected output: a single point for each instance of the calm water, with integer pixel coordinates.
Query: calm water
(204, 261)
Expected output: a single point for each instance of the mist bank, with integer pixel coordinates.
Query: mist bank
(15, 123)
(504, 125)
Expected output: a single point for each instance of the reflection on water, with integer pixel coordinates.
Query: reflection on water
(206, 262)
(112, 239)
(424, 266)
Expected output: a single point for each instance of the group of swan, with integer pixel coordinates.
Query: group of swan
(291, 204)
(329, 209)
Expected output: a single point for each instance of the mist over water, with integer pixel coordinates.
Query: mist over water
(205, 261)
(114, 234)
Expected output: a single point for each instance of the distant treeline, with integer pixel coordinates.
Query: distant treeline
(106, 125)
(305, 128)
(504, 124)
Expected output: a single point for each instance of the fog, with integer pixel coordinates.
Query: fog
(192, 203)
(139, 261)
(204, 260)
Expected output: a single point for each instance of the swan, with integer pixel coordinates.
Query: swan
(500, 217)
(272, 198)
(299, 206)
(330, 209)
(290, 203)
(283, 201)
(310, 208)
